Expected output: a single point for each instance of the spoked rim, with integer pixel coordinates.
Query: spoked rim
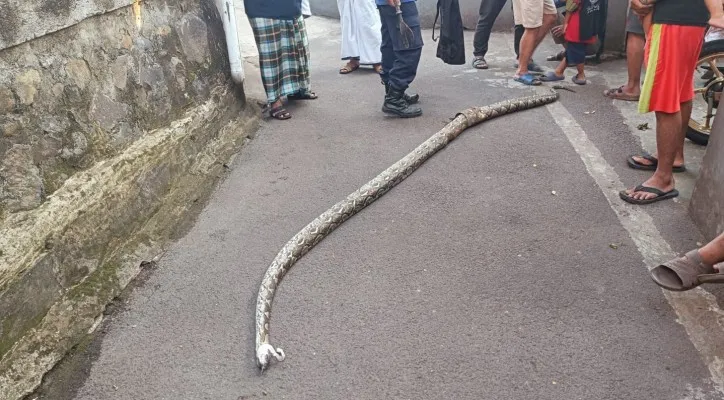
(707, 89)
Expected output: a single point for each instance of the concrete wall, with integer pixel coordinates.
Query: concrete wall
(112, 134)
(707, 200)
(469, 10)
(21, 21)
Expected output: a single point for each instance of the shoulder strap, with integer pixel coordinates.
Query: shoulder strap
(437, 15)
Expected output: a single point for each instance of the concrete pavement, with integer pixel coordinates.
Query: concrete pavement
(504, 268)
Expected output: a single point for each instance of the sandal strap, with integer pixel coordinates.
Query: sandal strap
(279, 112)
(478, 61)
(647, 157)
(689, 268)
(648, 189)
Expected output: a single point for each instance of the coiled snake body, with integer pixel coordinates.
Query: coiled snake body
(316, 230)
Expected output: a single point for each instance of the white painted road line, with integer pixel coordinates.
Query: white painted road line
(697, 309)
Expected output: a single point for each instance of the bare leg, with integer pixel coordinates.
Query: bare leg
(635, 49)
(679, 155)
(669, 141)
(685, 116)
(581, 73)
(713, 252)
(530, 41)
(527, 47)
(548, 21)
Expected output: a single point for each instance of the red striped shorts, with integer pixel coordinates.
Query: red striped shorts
(671, 55)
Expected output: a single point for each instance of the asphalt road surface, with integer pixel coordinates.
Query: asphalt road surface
(504, 268)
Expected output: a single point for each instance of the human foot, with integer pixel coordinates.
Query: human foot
(551, 76)
(651, 191)
(277, 111)
(685, 273)
(351, 66)
(579, 79)
(622, 93)
(647, 162)
(480, 63)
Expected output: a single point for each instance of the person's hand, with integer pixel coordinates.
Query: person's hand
(391, 3)
(642, 7)
(559, 31)
(717, 21)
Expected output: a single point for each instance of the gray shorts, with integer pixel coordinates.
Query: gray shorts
(634, 24)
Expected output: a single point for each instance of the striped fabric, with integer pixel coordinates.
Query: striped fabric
(283, 56)
(671, 56)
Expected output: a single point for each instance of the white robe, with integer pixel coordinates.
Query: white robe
(361, 30)
(306, 10)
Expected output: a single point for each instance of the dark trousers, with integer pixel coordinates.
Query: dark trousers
(489, 11)
(399, 64)
(519, 31)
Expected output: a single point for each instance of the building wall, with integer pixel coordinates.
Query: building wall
(469, 12)
(116, 120)
(707, 200)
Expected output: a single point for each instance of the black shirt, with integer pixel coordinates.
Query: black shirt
(276, 9)
(681, 12)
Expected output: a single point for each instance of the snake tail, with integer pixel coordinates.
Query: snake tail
(323, 225)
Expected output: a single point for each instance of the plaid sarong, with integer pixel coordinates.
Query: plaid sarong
(283, 56)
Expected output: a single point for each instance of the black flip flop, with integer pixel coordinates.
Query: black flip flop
(650, 167)
(303, 96)
(558, 57)
(660, 195)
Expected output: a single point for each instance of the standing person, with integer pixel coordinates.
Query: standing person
(716, 14)
(672, 50)
(489, 12)
(281, 37)
(584, 20)
(306, 9)
(635, 43)
(537, 17)
(361, 34)
(399, 62)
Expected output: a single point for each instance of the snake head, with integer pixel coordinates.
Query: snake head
(265, 353)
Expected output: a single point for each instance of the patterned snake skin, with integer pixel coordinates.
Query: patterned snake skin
(313, 233)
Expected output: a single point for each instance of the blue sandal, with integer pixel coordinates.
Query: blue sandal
(528, 79)
(552, 77)
(578, 81)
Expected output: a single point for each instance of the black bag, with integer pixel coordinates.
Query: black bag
(451, 49)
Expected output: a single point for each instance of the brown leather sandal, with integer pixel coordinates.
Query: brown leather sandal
(685, 273)
(279, 113)
(349, 68)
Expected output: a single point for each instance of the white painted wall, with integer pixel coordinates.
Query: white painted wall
(469, 10)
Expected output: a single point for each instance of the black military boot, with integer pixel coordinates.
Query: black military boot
(409, 98)
(396, 104)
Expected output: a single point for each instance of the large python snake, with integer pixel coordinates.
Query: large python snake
(323, 225)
